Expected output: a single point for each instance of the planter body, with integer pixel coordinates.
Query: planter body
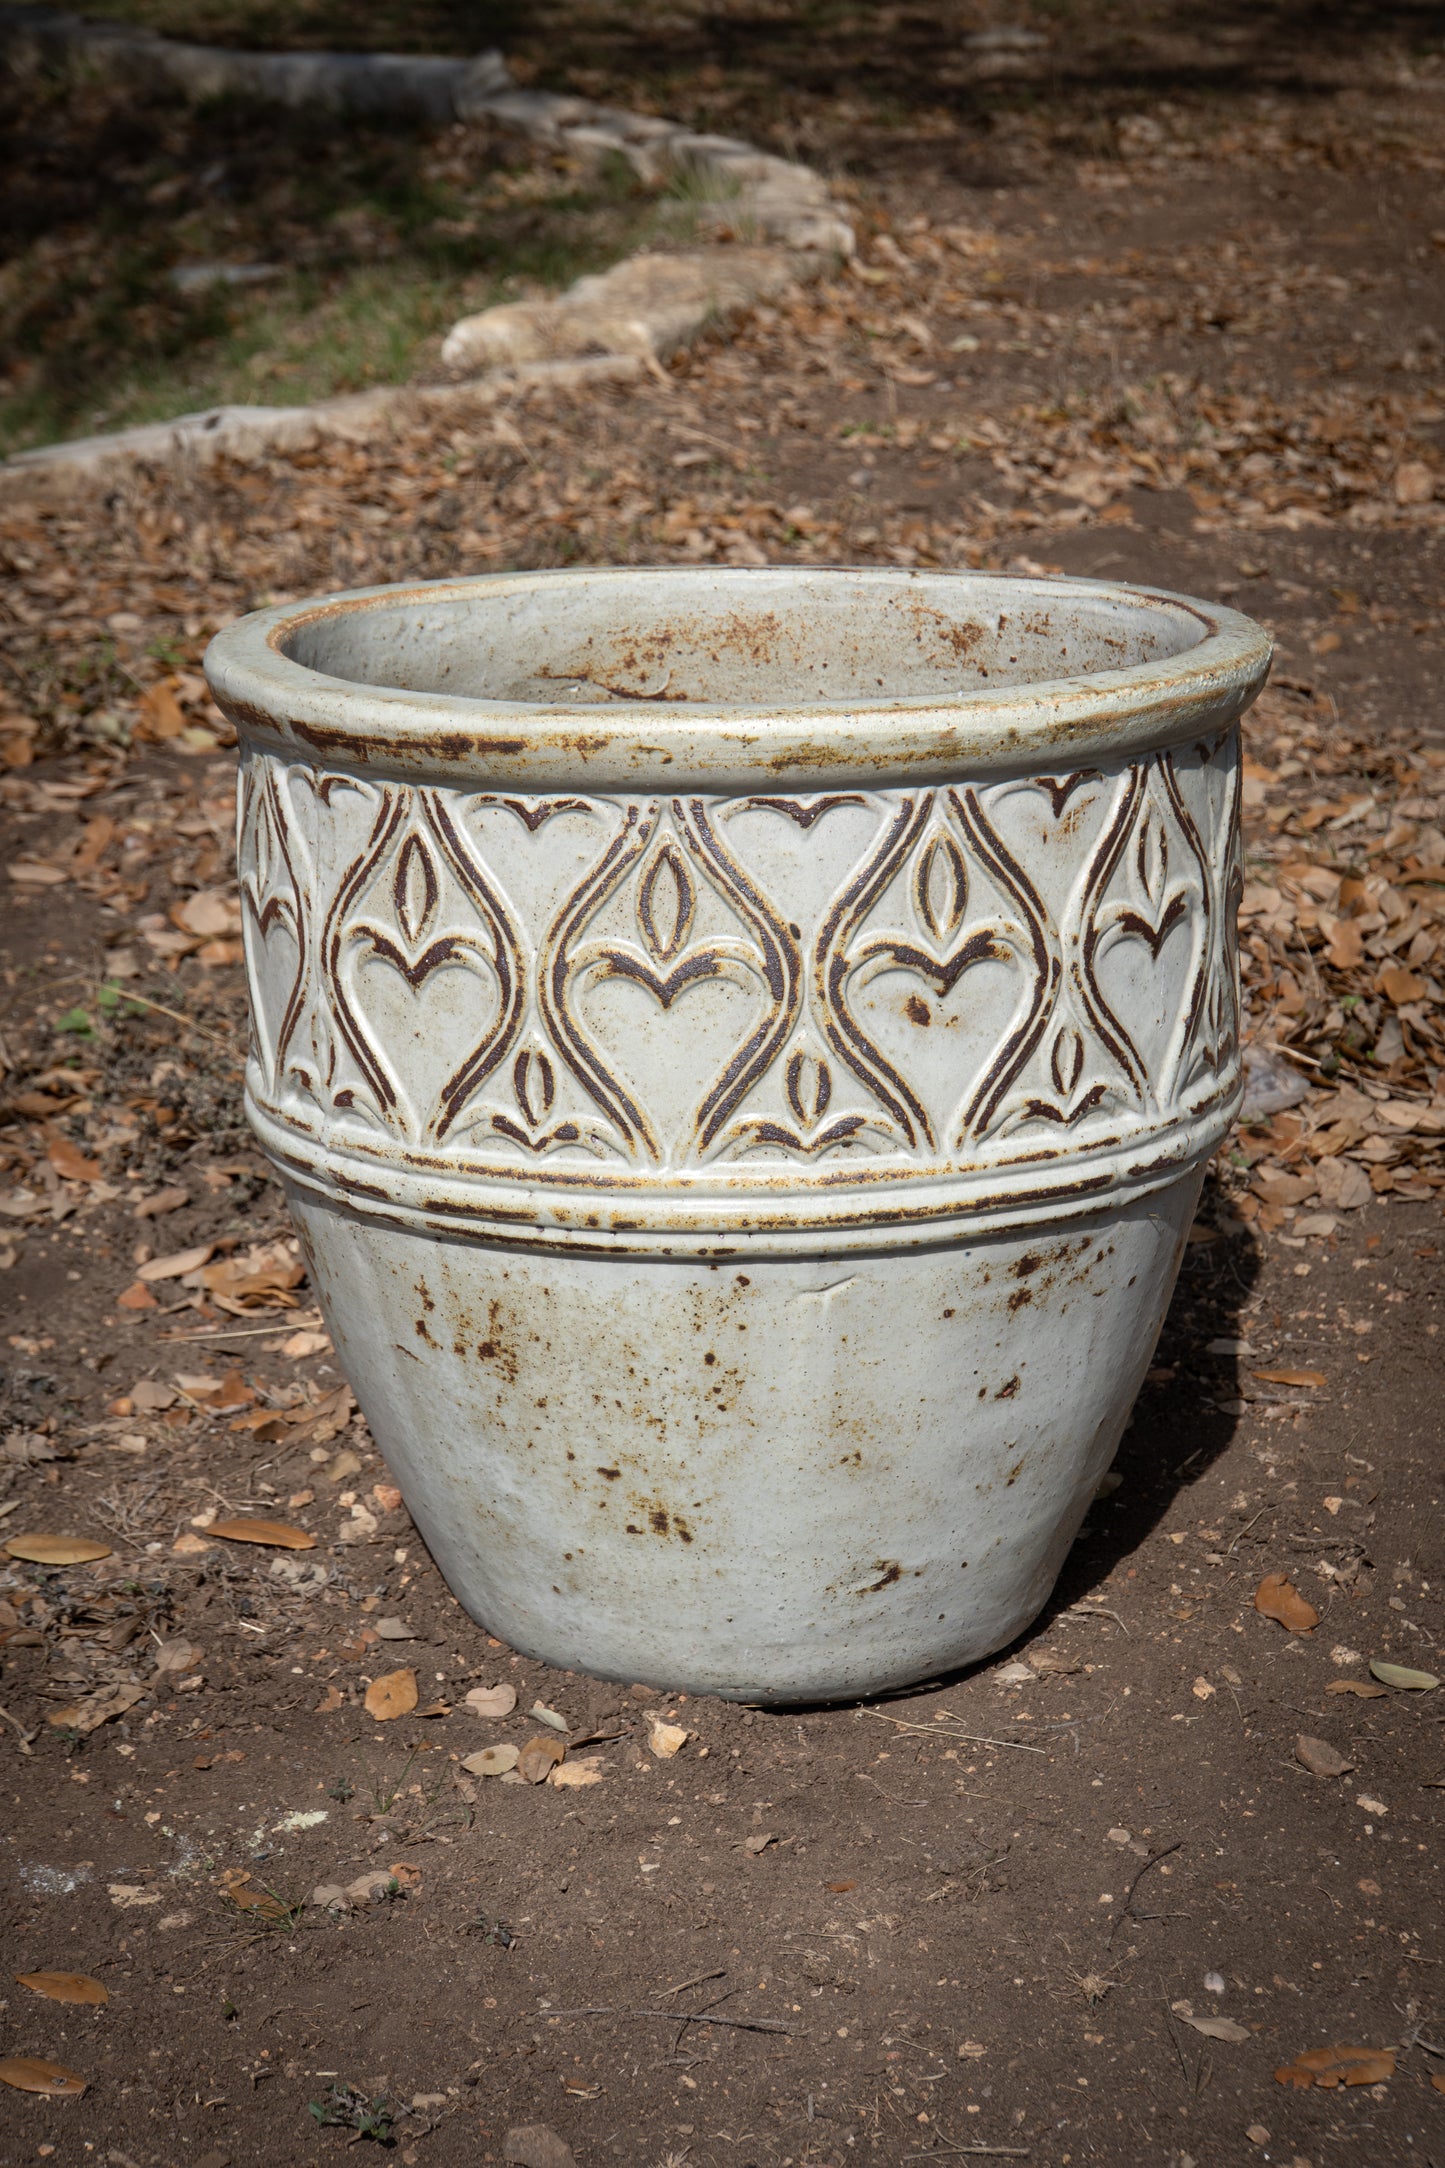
(744, 1148)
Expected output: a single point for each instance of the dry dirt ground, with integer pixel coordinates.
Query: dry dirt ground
(1181, 326)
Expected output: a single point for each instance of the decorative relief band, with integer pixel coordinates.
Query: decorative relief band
(763, 1001)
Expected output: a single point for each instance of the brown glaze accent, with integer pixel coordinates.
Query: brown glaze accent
(804, 811)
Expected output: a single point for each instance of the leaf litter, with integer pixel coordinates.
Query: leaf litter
(1342, 923)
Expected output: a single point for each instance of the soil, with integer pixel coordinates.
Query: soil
(981, 1918)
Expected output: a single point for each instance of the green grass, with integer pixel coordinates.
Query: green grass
(381, 236)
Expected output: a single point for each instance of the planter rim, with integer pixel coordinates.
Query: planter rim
(794, 745)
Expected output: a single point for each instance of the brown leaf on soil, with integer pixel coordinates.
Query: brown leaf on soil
(64, 1986)
(535, 2145)
(56, 1550)
(96, 1709)
(538, 1758)
(493, 1701)
(1290, 1377)
(1218, 2028)
(574, 1775)
(1401, 986)
(32, 2074)
(1278, 1598)
(332, 1700)
(69, 1162)
(177, 1655)
(137, 1297)
(491, 1761)
(279, 1533)
(174, 1199)
(179, 1261)
(1327, 2067)
(1362, 1687)
(393, 1694)
(1320, 1758)
(1437, 2079)
(160, 714)
(259, 1902)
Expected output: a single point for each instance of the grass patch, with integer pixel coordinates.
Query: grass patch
(348, 250)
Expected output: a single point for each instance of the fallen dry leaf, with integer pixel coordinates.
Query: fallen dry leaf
(125, 1896)
(544, 1715)
(64, 1986)
(1437, 2079)
(492, 1761)
(1327, 2067)
(759, 1842)
(393, 1694)
(665, 1740)
(574, 1774)
(1401, 1675)
(1278, 1598)
(1320, 1758)
(405, 1876)
(96, 1709)
(164, 1200)
(1290, 1377)
(306, 1342)
(491, 1700)
(838, 1888)
(177, 1655)
(56, 1550)
(536, 2145)
(1362, 1687)
(278, 1533)
(394, 1629)
(1217, 2028)
(32, 2074)
(260, 1903)
(538, 1758)
(180, 1261)
(332, 1700)
(69, 1162)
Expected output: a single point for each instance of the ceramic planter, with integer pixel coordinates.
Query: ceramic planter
(742, 1048)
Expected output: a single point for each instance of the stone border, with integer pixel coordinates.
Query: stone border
(775, 224)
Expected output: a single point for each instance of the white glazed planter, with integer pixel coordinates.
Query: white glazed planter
(742, 1049)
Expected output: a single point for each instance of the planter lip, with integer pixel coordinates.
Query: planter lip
(794, 746)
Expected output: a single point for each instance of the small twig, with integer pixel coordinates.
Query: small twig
(178, 1016)
(1245, 1531)
(1098, 1610)
(940, 1731)
(701, 2017)
(894, 1799)
(1153, 1861)
(25, 1736)
(702, 1978)
(1173, 2035)
(1000, 2152)
(251, 1332)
